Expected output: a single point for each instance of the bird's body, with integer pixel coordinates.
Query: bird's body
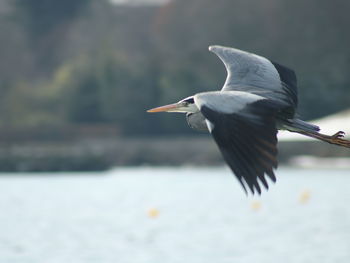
(258, 98)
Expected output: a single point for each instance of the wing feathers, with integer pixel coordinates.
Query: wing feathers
(289, 79)
(258, 75)
(247, 140)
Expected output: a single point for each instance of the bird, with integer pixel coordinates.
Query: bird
(258, 98)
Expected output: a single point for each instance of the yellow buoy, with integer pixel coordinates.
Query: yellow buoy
(256, 205)
(153, 212)
(304, 196)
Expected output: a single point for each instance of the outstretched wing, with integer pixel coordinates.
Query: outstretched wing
(258, 75)
(244, 127)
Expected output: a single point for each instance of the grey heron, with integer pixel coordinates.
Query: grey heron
(258, 98)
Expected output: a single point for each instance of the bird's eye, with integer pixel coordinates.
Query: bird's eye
(189, 100)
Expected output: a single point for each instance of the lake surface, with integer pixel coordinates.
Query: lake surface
(161, 215)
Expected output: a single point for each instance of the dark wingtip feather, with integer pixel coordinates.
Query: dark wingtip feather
(263, 181)
(271, 175)
(257, 187)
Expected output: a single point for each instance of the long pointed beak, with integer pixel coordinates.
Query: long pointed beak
(170, 107)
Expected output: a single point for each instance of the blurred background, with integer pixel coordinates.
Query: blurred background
(76, 79)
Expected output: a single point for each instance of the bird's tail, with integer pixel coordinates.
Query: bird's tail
(312, 130)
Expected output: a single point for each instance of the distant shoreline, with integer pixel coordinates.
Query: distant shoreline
(104, 153)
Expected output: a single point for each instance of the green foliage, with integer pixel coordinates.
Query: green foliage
(26, 106)
(103, 89)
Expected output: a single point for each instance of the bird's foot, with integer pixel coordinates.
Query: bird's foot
(338, 135)
(338, 139)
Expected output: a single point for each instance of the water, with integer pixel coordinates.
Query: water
(203, 216)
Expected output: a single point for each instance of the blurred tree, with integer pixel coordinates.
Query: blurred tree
(46, 24)
(102, 88)
(40, 17)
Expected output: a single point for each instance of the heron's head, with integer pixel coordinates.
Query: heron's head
(186, 105)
